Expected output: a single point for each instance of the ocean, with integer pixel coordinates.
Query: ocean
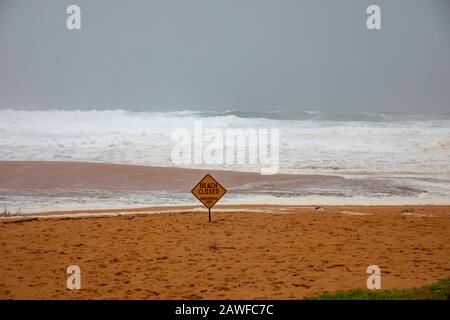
(411, 150)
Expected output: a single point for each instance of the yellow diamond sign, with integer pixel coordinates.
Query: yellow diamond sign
(208, 191)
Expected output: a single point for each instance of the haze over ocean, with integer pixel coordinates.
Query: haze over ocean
(252, 55)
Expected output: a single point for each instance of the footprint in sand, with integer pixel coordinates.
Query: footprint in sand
(301, 285)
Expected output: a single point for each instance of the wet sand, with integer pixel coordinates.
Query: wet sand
(247, 252)
(17, 176)
(53, 177)
(33, 186)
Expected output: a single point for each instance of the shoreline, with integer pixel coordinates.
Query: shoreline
(40, 186)
(444, 210)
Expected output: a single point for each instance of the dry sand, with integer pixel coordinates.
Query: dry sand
(268, 252)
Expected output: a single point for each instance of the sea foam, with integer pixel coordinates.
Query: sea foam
(310, 142)
(385, 158)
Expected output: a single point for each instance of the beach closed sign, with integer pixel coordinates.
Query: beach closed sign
(208, 191)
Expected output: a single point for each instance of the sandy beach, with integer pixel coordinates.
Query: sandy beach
(263, 251)
(247, 252)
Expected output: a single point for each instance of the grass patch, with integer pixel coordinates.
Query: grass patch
(439, 290)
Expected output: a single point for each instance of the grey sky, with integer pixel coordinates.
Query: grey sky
(226, 54)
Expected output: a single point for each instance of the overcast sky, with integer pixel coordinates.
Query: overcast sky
(226, 54)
